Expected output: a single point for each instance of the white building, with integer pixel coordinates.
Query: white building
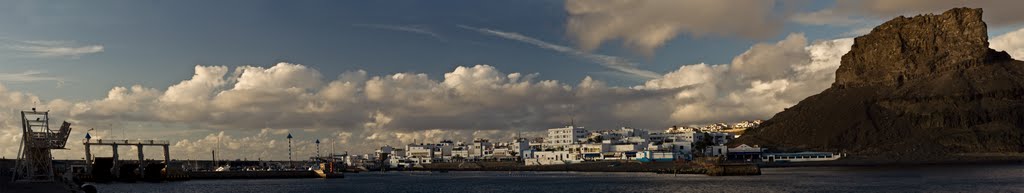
(521, 145)
(677, 129)
(420, 153)
(480, 149)
(675, 140)
(396, 161)
(563, 136)
(714, 127)
(460, 152)
(747, 124)
(622, 135)
(688, 136)
(553, 157)
(504, 153)
(443, 151)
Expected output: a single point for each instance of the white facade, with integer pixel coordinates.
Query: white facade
(481, 148)
(460, 153)
(504, 153)
(553, 157)
(747, 124)
(560, 137)
(443, 152)
(622, 135)
(413, 151)
(678, 136)
(677, 129)
(397, 161)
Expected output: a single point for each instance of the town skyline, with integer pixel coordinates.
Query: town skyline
(361, 79)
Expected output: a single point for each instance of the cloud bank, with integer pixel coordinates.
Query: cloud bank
(646, 25)
(845, 12)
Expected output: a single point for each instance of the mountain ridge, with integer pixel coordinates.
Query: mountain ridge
(915, 88)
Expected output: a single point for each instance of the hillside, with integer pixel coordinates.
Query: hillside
(920, 88)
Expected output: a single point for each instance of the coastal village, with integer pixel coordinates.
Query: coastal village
(575, 144)
(917, 114)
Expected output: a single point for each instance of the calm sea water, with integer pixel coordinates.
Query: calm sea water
(989, 178)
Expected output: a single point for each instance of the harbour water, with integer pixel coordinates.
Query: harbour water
(958, 178)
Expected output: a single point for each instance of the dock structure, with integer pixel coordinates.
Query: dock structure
(115, 143)
(35, 162)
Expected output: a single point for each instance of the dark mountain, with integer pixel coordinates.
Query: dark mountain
(919, 88)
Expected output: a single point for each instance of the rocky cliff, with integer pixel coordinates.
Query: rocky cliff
(923, 87)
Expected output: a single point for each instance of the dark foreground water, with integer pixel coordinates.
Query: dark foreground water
(990, 178)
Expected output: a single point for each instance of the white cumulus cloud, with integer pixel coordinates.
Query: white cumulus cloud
(1012, 43)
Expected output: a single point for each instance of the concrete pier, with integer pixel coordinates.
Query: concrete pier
(115, 143)
(252, 175)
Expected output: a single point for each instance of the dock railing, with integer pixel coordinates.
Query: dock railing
(126, 142)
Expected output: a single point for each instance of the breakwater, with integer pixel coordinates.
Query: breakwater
(209, 175)
(252, 175)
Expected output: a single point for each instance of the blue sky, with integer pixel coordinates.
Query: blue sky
(243, 74)
(157, 43)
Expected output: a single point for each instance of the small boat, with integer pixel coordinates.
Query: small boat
(223, 168)
(326, 170)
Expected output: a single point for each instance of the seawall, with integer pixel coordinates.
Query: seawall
(606, 166)
(252, 175)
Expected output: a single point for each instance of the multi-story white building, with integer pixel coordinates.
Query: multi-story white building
(675, 140)
(672, 137)
(420, 153)
(504, 153)
(622, 135)
(443, 151)
(563, 136)
(521, 145)
(460, 153)
(480, 149)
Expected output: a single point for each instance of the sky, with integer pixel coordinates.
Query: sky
(240, 75)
